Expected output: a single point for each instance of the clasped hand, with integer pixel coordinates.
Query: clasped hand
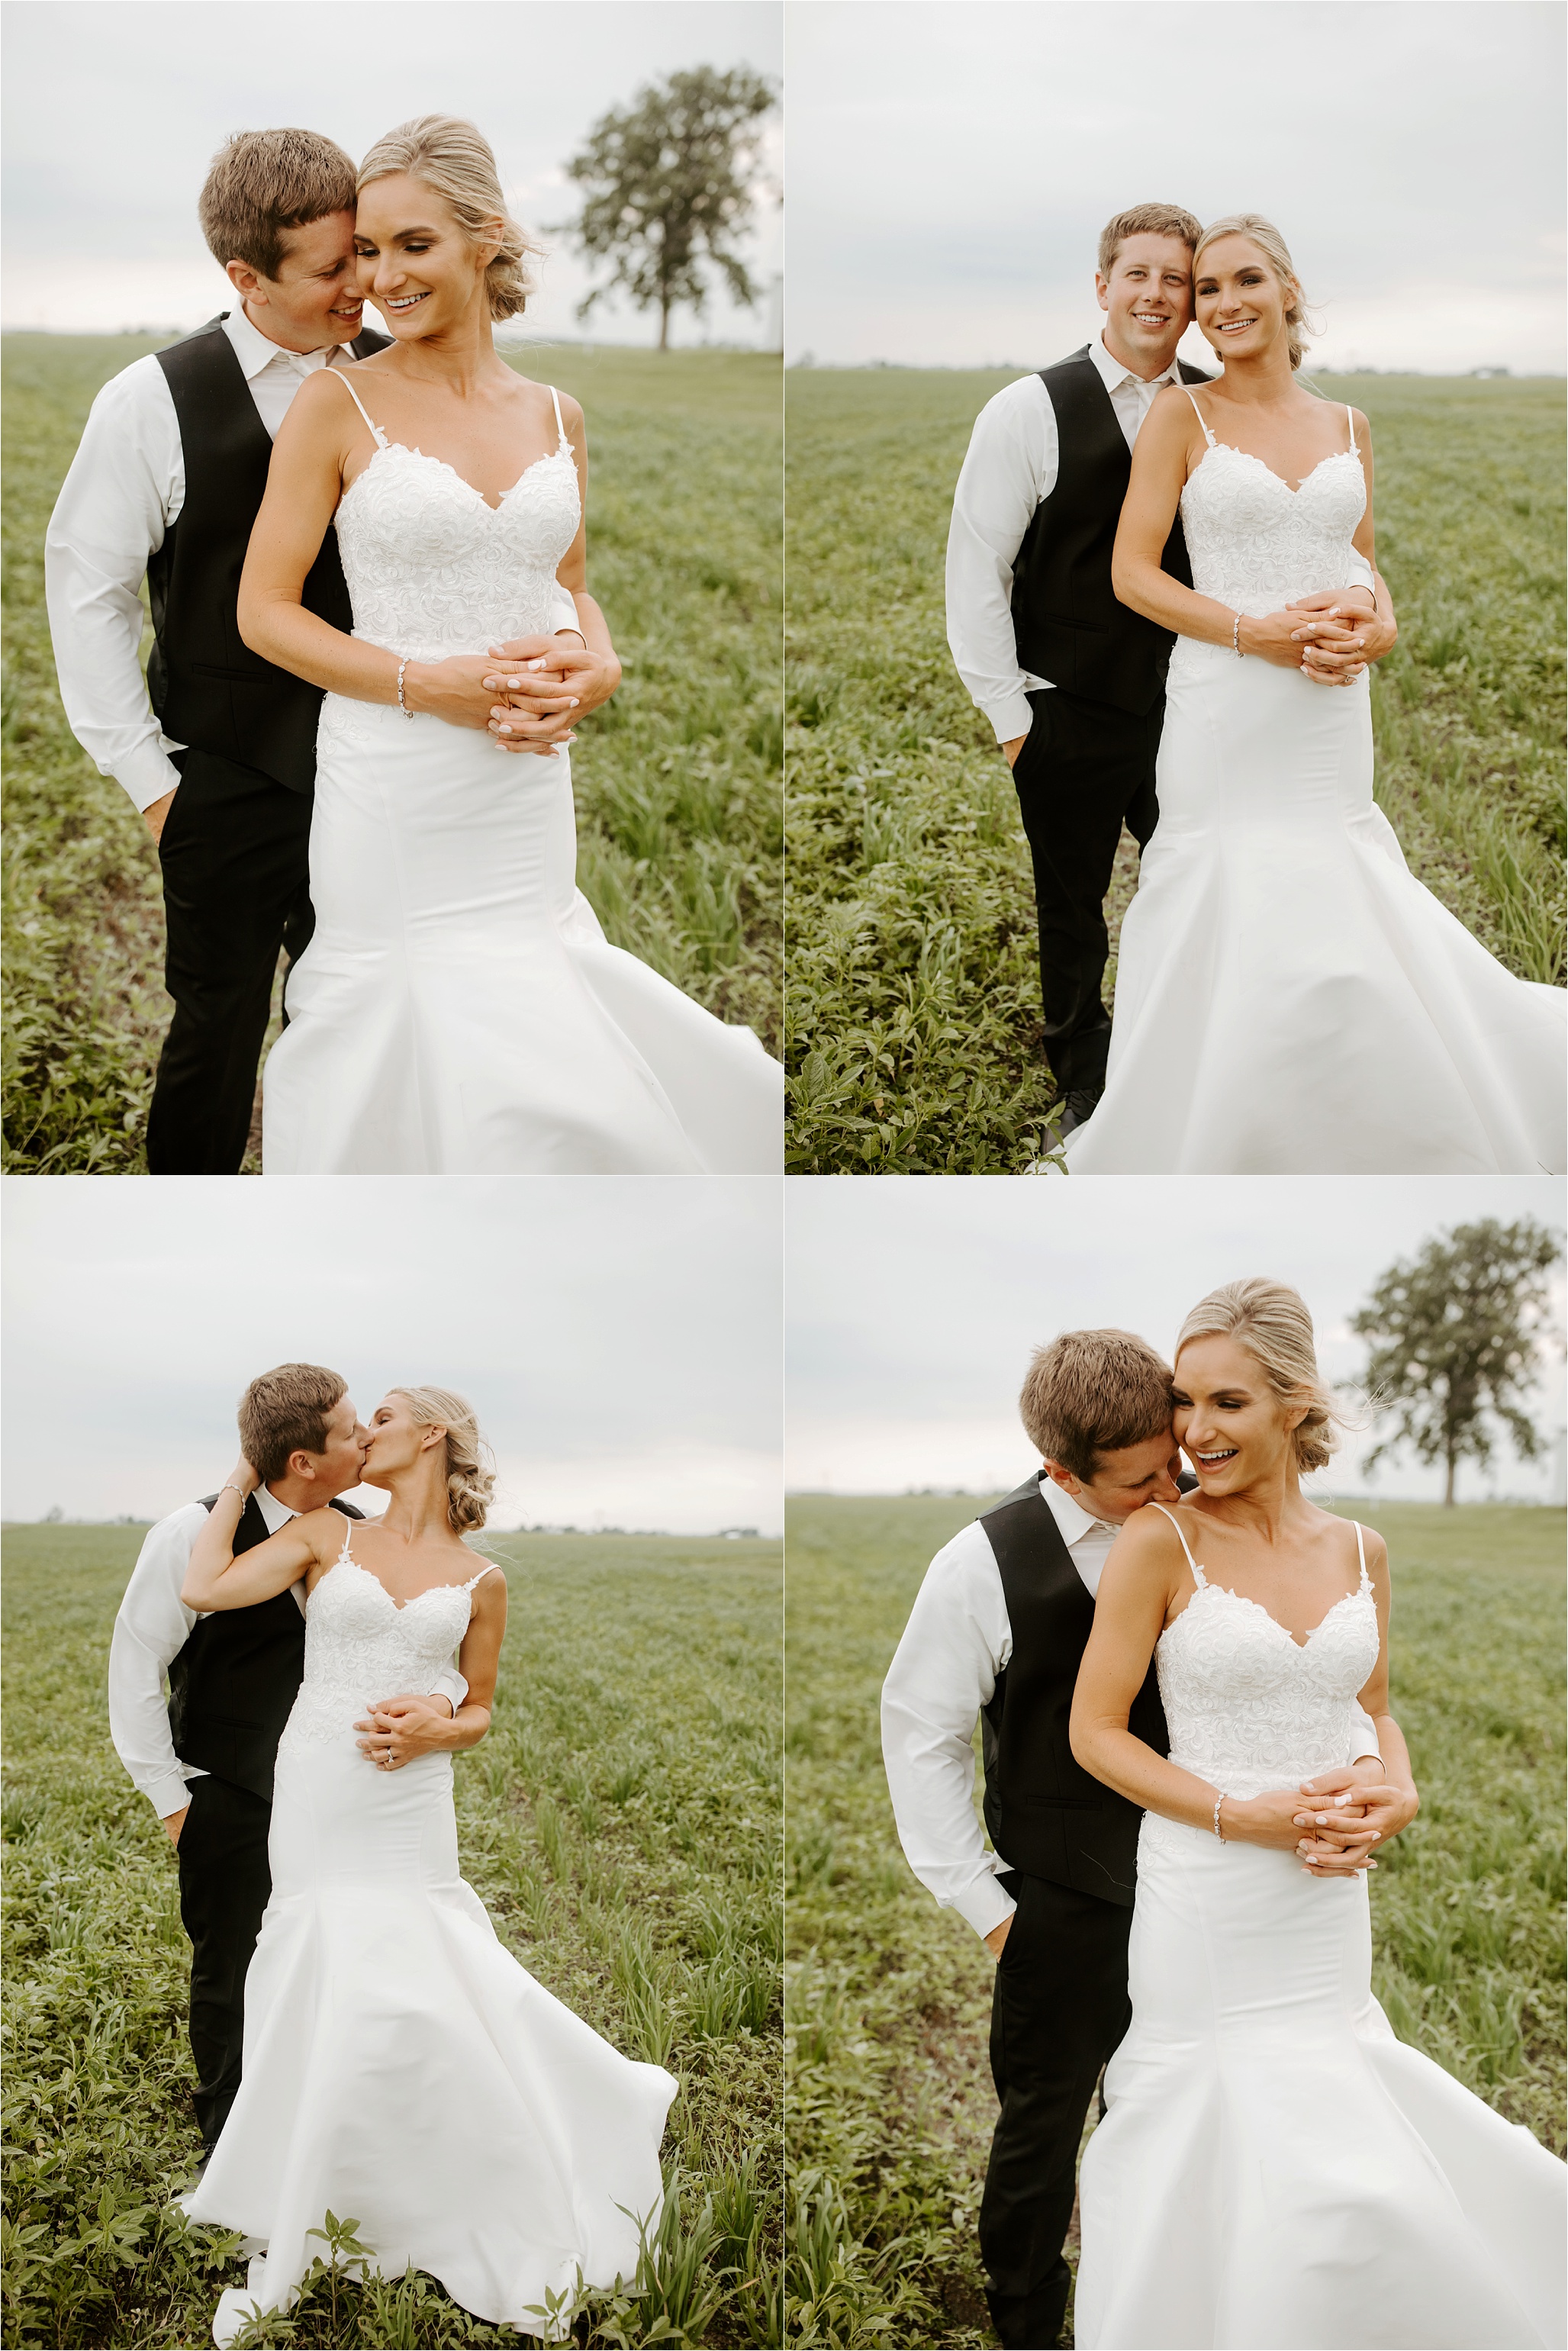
(545, 684)
(399, 1728)
(1331, 1822)
(1328, 636)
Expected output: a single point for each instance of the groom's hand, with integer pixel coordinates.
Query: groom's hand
(174, 1822)
(999, 1936)
(156, 816)
(399, 1728)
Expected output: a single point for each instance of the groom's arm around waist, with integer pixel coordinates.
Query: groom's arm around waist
(125, 488)
(149, 1631)
(957, 1642)
(1010, 471)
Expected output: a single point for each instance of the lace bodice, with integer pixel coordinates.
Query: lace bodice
(1254, 543)
(432, 569)
(361, 1647)
(1248, 1707)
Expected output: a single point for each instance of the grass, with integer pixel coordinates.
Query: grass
(913, 1019)
(621, 1823)
(677, 779)
(889, 2100)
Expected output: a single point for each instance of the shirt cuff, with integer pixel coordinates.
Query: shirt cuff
(170, 1795)
(1012, 716)
(147, 773)
(984, 1905)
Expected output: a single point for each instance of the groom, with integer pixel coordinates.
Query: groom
(218, 749)
(1071, 681)
(998, 1631)
(205, 1759)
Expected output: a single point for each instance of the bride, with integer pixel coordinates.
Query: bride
(380, 1991)
(1274, 2169)
(458, 1009)
(1290, 1000)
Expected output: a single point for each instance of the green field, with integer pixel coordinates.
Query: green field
(677, 779)
(889, 2099)
(914, 1019)
(621, 1823)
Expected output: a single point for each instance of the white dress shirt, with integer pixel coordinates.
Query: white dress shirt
(1010, 470)
(945, 1669)
(125, 489)
(152, 1627)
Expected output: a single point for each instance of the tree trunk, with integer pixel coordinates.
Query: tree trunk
(1449, 1483)
(664, 326)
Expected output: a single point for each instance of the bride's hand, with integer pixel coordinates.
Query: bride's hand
(242, 1476)
(1276, 637)
(456, 692)
(548, 683)
(1273, 1820)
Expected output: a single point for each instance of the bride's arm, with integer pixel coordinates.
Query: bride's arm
(1139, 1584)
(216, 1580)
(478, 1662)
(1160, 467)
(304, 486)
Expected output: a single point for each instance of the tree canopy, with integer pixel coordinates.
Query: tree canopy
(1454, 1339)
(667, 193)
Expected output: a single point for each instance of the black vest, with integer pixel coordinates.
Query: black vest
(208, 688)
(1067, 623)
(233, 1683)
(1047, 1816)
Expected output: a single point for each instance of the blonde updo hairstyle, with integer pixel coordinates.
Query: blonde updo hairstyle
(470, 1468)
(456, 160)
(1273, 245)
(1271, 1322)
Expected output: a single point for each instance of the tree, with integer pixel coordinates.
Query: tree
(1453, 1340)
(665, 188)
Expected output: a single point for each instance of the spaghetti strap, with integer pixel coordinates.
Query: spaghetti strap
(381, 438)
(489, 1569)
(1197, 1571)
(559, 427)
(1209, 438)
(1350, 419)
(1366, 1584)
(346, 1554)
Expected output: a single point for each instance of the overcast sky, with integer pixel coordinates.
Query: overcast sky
(620, 1338)
(951, 163)
(113, 109)
(914, 1303)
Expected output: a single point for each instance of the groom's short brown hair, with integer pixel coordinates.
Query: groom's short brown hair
(263, 183)
(1094, 1392)
(1146, 220)
(285, 1411)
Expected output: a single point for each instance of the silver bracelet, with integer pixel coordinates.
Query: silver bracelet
(232, 1489)
(400, 703)
(1218, 1831)
(1236, 639)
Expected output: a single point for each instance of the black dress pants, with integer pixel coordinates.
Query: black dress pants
(1084, 771)
(1057, 2012)
(237, 888)
(225, 1882)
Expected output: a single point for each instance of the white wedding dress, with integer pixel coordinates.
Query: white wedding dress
(1274, 2169)
(458, 1010)
(1290, 999)
(399, 2067)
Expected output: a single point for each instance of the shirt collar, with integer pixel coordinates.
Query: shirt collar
(1072, 1521)
(1112, 373)
(274, 1513)
(254, 352)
